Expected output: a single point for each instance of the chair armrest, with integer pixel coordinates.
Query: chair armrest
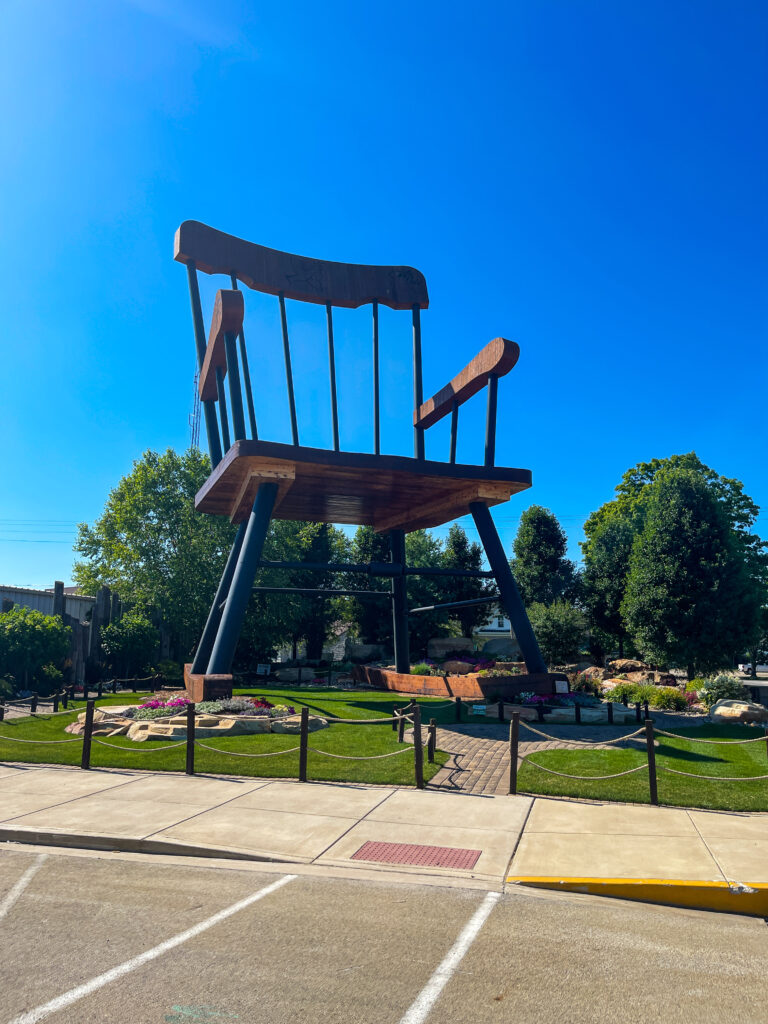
(497, 358)
(228, 313)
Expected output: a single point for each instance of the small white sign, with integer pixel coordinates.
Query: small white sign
(561, 686)
(263, 670)
(478, 709)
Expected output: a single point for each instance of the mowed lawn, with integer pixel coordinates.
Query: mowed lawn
(354, 740)
(683, 755)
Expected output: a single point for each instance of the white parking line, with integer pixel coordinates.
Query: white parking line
(21, 885)
(62, 1001)
(426, 999)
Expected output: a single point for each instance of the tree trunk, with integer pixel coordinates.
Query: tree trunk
(691, 672)
(621, 646)
(753, 655)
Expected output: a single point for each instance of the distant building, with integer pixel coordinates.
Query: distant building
(497, 625)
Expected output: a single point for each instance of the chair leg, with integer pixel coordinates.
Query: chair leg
(510, 595)
(204, 648)
(228, 633)
(400, 603)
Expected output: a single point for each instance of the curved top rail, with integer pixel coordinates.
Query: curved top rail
(298, 277)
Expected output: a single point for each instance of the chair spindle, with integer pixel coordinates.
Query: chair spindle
(235, 392)
(246, 374)
(376, 428)
(418, 432)
(288, 371)
(490, 420)
(332, 374)
(454, 430)
(222, 400)
(209, 411)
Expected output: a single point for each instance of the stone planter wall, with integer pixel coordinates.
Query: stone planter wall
(468, 687)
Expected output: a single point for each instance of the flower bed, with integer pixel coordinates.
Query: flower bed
(235, 706)
(472, 686)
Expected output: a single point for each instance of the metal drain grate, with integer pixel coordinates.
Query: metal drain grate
(421, 856)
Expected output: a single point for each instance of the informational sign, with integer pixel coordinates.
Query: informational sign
(263, 670)
(561, 686)
(478, 709)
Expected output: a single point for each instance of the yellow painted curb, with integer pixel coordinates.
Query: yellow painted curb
(749, 898)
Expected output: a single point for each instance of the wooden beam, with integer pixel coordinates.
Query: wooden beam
(498, 357)
(282, 473)
(228, 314)
(440, 510)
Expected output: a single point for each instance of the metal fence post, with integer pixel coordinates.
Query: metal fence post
(577, 713)
(431, 740)
(303, 744)
(85, 760)
(610, 712)
(418, 750)
(646, 712)
(651, 761)
(2, 716)
(190, 766)
(458, 709)
(55, 703)
(766, 738)
(100, 690)
(514, 736)
(638, 717)
(501, 709)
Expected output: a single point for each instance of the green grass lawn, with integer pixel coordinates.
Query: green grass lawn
(683, 755)
(356, 740)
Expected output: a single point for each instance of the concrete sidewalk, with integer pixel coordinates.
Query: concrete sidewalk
(705, 859)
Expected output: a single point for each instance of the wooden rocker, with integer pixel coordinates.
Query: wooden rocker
(254, 480)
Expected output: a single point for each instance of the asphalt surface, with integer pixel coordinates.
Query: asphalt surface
(321, 949)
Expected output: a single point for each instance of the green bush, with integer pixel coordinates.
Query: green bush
(665, 698)
(580, 683)
(129, 644)
(498, 673)
(694, 685)
(30, 642)
(170, 670)
(423, 669)
(722, 687)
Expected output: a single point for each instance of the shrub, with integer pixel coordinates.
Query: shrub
(722, 687)
(426, 668)
(695, 684)
(498, 673)
(29, 643)
(668, 698)
(129, 644)
(170, 670)
(581, 683)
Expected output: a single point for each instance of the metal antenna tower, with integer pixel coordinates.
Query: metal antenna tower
(194, 416)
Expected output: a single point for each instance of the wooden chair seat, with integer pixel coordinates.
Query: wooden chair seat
(387, 492)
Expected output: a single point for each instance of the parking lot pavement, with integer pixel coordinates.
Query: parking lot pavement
(124, 939)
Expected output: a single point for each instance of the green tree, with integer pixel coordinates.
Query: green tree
(154, 549)
(130, 644)
(604, 577)
(688, 598)
(560, 628)
(461, 553)
(424, 549)
(373, 618)
(541, 569)
(32, 648)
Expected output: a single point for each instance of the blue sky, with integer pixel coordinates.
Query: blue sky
(586, 178)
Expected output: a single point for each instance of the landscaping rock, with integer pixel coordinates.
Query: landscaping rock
(595, 673)
(627, 665)
(439, 646)
(735, 711)
(292, 723)
(457, 668)
(514, 668)
(501, 647)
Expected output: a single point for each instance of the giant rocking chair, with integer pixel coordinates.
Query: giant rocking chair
(253, 480)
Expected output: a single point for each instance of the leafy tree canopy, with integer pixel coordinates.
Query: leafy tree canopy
(130, 644)
(31, 645)
(541, 569)
(688, 598)
(560, 629)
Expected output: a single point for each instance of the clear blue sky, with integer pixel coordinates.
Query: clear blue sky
(586, 178)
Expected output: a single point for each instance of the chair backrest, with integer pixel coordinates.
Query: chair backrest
(285, 275)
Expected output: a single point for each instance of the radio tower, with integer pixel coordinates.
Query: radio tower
(194, 416)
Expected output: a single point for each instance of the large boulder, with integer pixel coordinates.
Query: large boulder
(622, 665)
(735, 711)
(457, 668)
(439, 646)
(501, 647)
(594, 673)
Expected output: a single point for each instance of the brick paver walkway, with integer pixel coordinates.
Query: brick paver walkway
(479, 761)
